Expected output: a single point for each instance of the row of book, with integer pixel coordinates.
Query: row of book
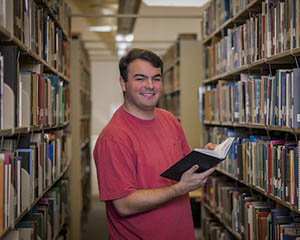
(47, 217)
(275, 30)
(220, 11)
(171, 80)
(171, 55)
(28, 166)
(171, 102)
(61, 11)
(28, 96)
(248, 213)
(255, 99)
(213, 229)
(268, 163)
(37, 29)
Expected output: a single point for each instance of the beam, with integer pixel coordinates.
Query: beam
(135, 16)
(135, 41)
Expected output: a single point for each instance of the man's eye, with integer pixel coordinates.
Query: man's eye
(157, 79)
(139, 79)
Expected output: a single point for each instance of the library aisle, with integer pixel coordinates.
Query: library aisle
(96, 226)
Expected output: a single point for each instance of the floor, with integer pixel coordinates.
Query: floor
(96, 227)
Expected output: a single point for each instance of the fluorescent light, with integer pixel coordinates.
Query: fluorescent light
(175, 3)
(106, 28)
(123, 45)
(129, 37)
(123, 42)
(125, 38)
(121, 52)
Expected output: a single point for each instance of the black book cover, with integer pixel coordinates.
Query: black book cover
(204, 158)
(204, 162)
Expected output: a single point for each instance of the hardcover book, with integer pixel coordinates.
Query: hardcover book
(204, 158)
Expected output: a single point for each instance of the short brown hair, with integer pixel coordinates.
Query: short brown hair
(137, 53)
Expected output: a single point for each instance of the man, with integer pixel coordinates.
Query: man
(138, 144)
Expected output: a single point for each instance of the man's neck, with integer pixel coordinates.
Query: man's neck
(144, 115)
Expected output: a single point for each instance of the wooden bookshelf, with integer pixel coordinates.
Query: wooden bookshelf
(235, 234)
(252, 56)
(180, 94)
(241, 16)
(50, 132)
(80, 125)
(254, 126)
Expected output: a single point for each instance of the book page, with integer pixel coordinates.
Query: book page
(220, 151)
(223, 148)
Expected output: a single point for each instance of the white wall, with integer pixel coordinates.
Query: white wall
(106, 97)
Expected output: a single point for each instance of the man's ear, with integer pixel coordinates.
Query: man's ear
(123, 84)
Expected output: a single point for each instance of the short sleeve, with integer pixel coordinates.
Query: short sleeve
(184, 144)
(116, 169)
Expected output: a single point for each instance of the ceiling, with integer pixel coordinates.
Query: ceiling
(154, 28)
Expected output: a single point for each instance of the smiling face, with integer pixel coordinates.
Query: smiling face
(142, 89)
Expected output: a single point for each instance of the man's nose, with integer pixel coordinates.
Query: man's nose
(149, 83)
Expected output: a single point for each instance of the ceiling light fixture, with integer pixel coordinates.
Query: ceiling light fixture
(106, 28)
(124, 37)
(123, 42)
(176, 3)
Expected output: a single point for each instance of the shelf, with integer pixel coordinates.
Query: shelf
(173, 91)
(19, 218)
(54, 17)
(261, 191)
(4, 34)
(234, 233)
(9, 38)
(86, 92)
(85, 117)
(24, 130)
(239, 19)
(85, 67)
(85, 143)
(172, 65)
(254, 126)
(281, 60)
(59, 229)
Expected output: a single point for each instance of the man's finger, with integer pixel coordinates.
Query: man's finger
(209, 172)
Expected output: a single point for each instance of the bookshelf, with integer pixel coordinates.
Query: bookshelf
(34, 125)
(80, 125)
(181, 79)
(250, 90)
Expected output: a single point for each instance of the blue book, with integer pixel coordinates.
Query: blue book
(296, 83)
(275, 214)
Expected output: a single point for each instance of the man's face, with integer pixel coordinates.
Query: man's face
(143, 87)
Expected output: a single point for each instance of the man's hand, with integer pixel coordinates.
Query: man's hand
(210, 146)
(191, 180)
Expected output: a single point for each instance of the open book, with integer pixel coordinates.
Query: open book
(204, 158)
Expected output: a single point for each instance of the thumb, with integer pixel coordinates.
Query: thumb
(193, 169)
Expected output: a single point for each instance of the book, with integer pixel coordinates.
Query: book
(204, 158)
(296, 81)
(10, 74)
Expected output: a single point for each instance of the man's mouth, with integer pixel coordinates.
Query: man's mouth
(148, 94)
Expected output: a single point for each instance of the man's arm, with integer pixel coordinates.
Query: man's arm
(147, 199)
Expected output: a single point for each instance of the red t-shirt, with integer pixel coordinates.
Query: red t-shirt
(130, 154)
